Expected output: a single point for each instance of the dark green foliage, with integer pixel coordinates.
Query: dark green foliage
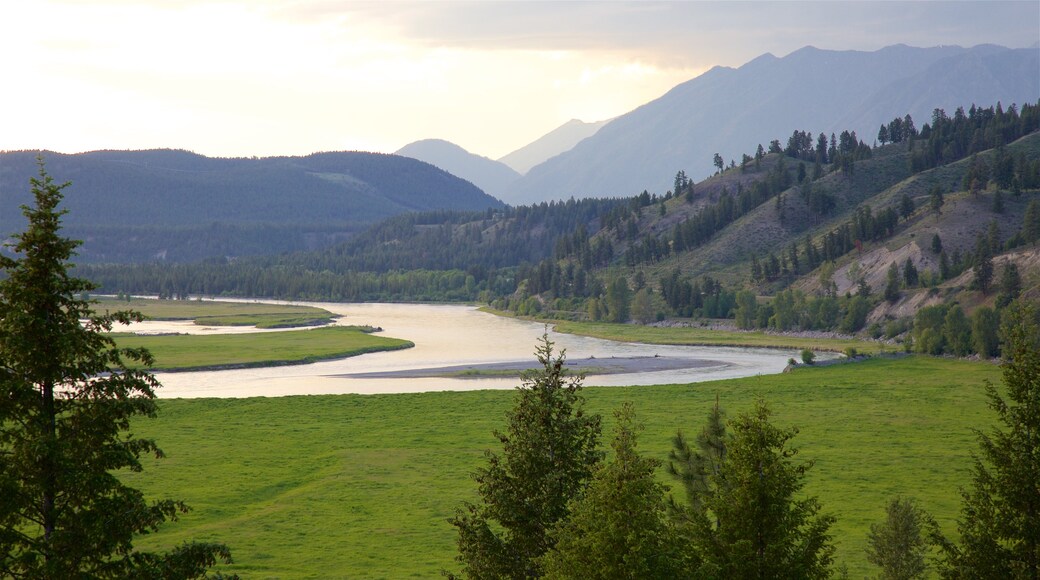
(957, 332)
(906, 206)
(985, 325)
(618, 300)
(983, 268)
(759, 525)
(910, 275)
(892, 284)
(1031, 222)
(66, 401)
(1010, 285)
(897, 546)
(999, 527)
(698, 470)
(189, 207)
(808, 356)
(936, 244)
(618, 527)
(549, 452)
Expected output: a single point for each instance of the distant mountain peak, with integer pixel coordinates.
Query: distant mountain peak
(559, 140)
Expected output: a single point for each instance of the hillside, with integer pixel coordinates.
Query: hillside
(814, 231)
(493, 177)
(179, 206)
(729, 111)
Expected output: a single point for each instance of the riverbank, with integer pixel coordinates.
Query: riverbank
(585, 366)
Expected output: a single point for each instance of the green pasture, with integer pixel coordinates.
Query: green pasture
(355, 486)
(254, 349)
(693, 336)
(214, 313)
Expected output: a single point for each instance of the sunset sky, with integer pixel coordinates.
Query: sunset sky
(287, 77)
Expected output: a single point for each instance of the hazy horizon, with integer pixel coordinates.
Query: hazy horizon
(288, 77)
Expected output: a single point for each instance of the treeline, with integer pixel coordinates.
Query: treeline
(741, 510)
(950, 139)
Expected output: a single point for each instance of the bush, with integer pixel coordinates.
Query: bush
(808, 356)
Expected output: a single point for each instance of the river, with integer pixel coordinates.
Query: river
(451, 336)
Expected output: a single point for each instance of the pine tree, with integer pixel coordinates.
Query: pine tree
(999, 527)
(695, 468)
(618, 527)
(67, 396)
(760, 530)
(898, 545)
(548, 455)
(892, 283)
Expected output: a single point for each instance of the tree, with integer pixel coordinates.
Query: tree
(983, 266)
(1010, 285)
(898, 546)
(618, 300)
(1031, 222)
(906, 207)
(957, 331)
(698, 470)
(892, 284)
(910, 275)
(617, 528)
(936, 244)
(760, 530)
(548, 455)
(985, 325)
(67, 395)
(719, 163)
(999, 527)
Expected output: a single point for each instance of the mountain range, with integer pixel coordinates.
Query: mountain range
(178, 205)
(730, 110)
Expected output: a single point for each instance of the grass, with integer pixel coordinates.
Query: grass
(222, 313)
(355, 486)
(216, 351)
(709, 337)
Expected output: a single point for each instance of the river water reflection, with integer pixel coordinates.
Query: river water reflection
(450, 335)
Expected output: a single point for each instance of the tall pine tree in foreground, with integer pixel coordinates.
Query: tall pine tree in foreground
(757, 523)
(548, 455)
(618, 528)
(999, 526)
(66, 400)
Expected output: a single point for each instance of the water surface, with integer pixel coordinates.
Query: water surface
(452, 336)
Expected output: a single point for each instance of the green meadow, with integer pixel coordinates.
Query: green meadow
(692, 336)
(355, 486)
(255, 349)
(216, 313)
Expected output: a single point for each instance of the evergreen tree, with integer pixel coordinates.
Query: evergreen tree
(66, 400)
(1010, 285)
(1031, 222)
(892, 283)
(697, 470)
(910, 273)
(983, 266)
(936, 244)
(898, 546)
(760, 530)
(548, 455)
(617, 528)
(906, 207)
(999, 527)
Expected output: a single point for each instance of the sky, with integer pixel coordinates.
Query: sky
(291, 77)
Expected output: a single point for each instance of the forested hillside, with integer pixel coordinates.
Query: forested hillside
(727, 110)
(180, 206)
(814, 232)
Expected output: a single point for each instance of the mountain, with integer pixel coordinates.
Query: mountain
(729, 111)
(560, 139)
(491, 176)
(177, 205)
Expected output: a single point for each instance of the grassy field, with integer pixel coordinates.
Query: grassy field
(361, 486)
(222, 313)
(197, 352)
(708, 337)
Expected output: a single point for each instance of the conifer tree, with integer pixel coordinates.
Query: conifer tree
(67, 395)
(999, 527)
(898, 545)
(548, 454)
(760, 529)
(617, 528)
